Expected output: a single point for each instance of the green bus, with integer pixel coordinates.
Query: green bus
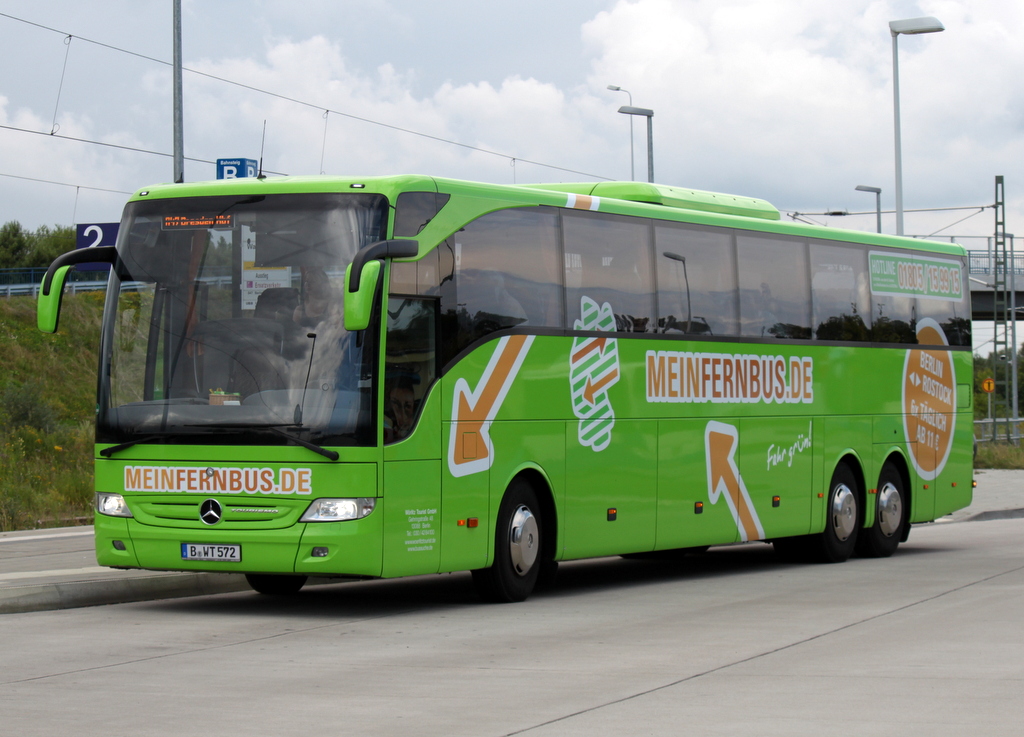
(394, 376)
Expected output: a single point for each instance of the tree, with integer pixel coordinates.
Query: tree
(15, 245)
(48, 244)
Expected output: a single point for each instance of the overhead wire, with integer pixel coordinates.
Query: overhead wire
(134, 149)
(305, 103)
(64, 184)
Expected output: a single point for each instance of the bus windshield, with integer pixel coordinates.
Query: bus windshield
(223, 322)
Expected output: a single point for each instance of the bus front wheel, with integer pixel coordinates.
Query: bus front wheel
(275, 585)
(890, 516)
(517, 548)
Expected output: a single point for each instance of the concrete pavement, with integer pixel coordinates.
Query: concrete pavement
(56, 568)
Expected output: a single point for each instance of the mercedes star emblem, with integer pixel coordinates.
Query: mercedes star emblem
(210, 511)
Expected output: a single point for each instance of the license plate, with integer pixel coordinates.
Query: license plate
(197, 551)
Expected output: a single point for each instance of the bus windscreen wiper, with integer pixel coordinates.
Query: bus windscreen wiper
(275, 430)
(107, 452)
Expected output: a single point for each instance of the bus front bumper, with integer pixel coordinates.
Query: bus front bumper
(350, 548)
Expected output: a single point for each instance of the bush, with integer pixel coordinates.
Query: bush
(25, 406)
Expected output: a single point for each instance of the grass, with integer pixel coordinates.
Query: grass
(47, 408)
(999, 455)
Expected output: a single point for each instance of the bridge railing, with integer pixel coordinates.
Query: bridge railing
(983, 262)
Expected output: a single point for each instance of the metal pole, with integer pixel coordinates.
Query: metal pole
(179, 144)
(650, 149)
(899, 148)
(632, 164)
(1013, 333)
(632, 167)
(878, 202)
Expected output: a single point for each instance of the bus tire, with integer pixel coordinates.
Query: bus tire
(271, 585)
(839, 539)
(881, 539)
(517, 548)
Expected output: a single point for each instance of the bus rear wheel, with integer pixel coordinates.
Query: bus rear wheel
(271, 585)
(839, 539)
(882, 538)
(517, 548)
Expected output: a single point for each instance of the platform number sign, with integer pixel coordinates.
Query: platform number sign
(237, 168)
(91, 235)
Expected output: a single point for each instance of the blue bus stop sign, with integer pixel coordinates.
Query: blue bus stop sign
(90, 235)
(237, 168)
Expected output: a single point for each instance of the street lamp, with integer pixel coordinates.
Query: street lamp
(649, 114)
(910, 27)
(878, 201)
(616, 88)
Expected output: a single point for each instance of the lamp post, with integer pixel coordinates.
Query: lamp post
(878, 201)
(649, 114)
(632, 173)
(910, 27)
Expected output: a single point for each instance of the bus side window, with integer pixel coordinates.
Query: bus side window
(775, 296)
(608, 260)
(696, 280)
(506, 275)
(414, 210)
(840, 300)
(416, 277)
(893, 319)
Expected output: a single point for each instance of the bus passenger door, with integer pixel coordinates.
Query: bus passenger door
(411, 417)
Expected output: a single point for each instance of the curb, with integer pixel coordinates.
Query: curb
(72, 594)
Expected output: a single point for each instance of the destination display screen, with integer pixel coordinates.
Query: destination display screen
(197, 222)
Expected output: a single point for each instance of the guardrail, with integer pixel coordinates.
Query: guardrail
(32, 290)
(998, 429)
(25, 282)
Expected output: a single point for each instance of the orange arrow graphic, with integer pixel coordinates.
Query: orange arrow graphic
(720, 442)
(589, 347)
(470, 448)
(591, 389)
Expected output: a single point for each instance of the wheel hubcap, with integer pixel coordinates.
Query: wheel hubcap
(844, 512)
(524, 540)
(890, 509)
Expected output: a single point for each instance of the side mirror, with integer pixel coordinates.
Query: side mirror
(361, 278)
(359, 304)
(51, 291)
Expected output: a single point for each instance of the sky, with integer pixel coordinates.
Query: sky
(787, 100)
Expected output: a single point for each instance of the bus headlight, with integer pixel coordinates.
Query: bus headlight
(112, 505)
(338, 510)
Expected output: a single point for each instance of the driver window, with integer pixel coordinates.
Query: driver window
(410, 362)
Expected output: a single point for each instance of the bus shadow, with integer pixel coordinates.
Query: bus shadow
(329, 598)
